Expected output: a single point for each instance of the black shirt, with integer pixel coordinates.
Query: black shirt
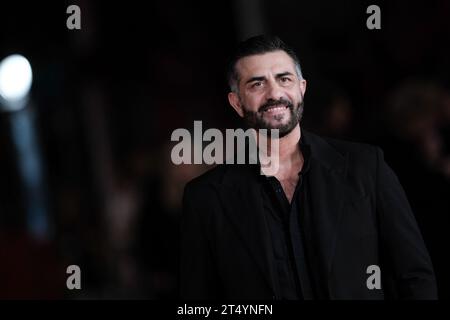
(286, 230)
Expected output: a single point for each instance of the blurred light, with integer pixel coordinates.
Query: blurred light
(15, 82)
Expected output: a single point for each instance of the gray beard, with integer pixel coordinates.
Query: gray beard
(256, 120)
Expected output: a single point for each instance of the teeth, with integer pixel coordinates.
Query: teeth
(275, 109)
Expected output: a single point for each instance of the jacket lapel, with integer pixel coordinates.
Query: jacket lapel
(327, 189)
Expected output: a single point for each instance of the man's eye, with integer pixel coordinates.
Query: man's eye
(285, 79)
(256, 84)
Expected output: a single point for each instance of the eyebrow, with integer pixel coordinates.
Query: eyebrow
(261, 78)
(287, 73)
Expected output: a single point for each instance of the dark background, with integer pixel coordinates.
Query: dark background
(106, 99)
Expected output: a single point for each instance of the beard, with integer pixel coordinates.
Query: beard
(256, 119)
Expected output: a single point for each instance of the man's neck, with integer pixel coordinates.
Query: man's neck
(289, 156)
(288, 147)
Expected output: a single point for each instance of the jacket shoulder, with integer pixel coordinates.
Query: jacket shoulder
(360, 156)
(355, 149)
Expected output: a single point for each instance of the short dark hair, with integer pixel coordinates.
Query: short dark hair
(258, 45)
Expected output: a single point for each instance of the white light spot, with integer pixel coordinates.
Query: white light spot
(15, 78)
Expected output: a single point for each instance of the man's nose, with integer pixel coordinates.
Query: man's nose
(274, 91)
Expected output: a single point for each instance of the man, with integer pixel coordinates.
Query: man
(332, 223)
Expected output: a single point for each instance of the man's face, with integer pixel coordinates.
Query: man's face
(270, 92)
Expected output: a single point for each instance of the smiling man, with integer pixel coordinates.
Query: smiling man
(332, 223)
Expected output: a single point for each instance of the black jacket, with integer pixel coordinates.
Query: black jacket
(361, 217)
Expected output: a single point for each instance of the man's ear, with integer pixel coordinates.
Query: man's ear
(302, 85)
(234, 101)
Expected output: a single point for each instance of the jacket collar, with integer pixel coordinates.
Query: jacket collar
(321, 151)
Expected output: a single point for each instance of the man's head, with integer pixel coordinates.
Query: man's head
(267, 86)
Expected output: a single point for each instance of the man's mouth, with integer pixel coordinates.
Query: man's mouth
(275, 109)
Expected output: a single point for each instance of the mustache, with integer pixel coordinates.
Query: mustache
(279, 102)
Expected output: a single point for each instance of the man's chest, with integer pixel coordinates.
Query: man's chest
(289, 184)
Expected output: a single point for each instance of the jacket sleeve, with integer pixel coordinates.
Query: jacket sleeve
(198, 280)
(401, 240)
